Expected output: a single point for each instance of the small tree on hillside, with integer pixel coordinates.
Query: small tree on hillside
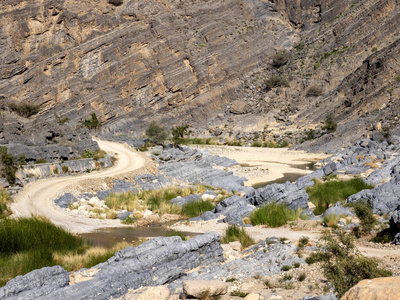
(92, 122)
(330, 124)
(9, 163)
(156, 133)
(179, 133)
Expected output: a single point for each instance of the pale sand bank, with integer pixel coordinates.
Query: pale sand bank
(266, 164)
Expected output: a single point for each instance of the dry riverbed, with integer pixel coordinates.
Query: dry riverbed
(260, 165)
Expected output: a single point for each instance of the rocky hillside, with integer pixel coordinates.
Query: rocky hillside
(206, 63)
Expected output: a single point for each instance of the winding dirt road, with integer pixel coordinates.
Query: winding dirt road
(37, 197)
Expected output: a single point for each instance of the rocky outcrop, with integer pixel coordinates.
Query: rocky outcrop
(67, 167)
(37, 283)
(261, 259)
(123, 63)
(155, 262)
(377, 288)
(199, 167)
(287, 193)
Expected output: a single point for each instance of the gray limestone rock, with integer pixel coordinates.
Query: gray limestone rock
(155, 262)
(183, 200)
(65, 200)
(291, 194)
(338, 210)
(37, 283)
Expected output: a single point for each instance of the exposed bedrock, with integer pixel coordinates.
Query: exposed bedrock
(155, 262)
(199, 167)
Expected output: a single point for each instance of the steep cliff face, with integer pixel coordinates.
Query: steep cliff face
(171, 59)
(203, 63)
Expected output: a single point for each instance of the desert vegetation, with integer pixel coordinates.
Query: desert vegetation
(5, 200)
(324, 194)
(91, 123)
(156, 133)
(10, 164)
(234, 233)
(273, 215)
(24, 109)
(32, 243)
(275, 81)
(159, 201)
(343, 265)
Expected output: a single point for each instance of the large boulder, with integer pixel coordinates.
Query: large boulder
(238, 107)
(387, 288)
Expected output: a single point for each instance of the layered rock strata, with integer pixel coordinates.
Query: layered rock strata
(155, 262)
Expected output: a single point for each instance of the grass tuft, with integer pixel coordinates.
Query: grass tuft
(234, 233)
(273, 215)
(328, 193)
(196, 208)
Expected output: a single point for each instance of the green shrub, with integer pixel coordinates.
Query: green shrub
(287, 277)
(302, 276)
(309, 135)
(231, 279)
(5, 199)
(314, 258)
(344, 266)
(275, 81)
(99, 154)
(156, 133)
(328, 193)
(128, 220)
(331, 220)
(24, 109)
(41, 161)
(382, 239)
(314, 91)
(330, 124)
(257, 144)
(303, 241)
(179, 133)
(61, 119)
(366, 216)
(87, 153)
(280, 59)
(234, 233)
(9, 165)
(239, 294)
(196, 208)
(286, 268)
(273, 215)
(92, 122)
(176, 233)
(296, 265)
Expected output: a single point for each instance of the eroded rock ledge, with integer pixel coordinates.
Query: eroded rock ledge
(155, 262)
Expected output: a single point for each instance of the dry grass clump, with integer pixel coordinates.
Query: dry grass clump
(155, 200)
(90, 257)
